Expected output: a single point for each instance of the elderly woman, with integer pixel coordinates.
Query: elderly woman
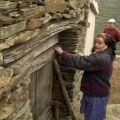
(95, 83)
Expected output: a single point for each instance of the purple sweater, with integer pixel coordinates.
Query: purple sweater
(97, 72)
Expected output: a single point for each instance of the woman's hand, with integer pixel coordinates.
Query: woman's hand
(59, 50)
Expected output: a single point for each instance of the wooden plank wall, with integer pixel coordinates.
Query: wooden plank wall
(40, 88)
(40, 93)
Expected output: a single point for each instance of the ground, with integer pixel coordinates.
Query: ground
(115, 83)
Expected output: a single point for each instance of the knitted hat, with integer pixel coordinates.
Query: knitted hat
(112, 20)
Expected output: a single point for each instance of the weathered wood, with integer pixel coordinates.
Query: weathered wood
(10, 30)
(17, 52)
(64, 90)
(56, 104)
(41, 82)
(32, 95)
(33, 52)
(47, 115)
(42, 59)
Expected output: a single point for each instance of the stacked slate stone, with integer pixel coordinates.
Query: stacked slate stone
(72, 41)
(25, 29)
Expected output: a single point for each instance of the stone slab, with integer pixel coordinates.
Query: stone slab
(55, 5)
(10, 30)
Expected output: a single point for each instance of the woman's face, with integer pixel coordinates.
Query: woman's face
(99, 45)
(111, 25)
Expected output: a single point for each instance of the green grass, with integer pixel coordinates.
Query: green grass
(108, 9)
(79, 116)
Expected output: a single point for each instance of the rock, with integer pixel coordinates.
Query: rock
(22, 111)
(6, 20)
(5, 76)
(1, 57)
(83, 3)
(5, 111)
(55, 5)
(68, 16)
(3, 45)
(57, 16)
(5, 5)
(40, 2)
(73, 13)
(22, 4)
(73, 4)
(19, 98)
(113, 112)
(46, 19)
(10, 30)
(33, 12)
(21, 37)
(33, 23)
(14, 14)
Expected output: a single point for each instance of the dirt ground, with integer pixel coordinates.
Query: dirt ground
(115, 83)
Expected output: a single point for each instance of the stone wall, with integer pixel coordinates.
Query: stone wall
(26, 27)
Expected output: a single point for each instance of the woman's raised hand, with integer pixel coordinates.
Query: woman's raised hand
(59, 50)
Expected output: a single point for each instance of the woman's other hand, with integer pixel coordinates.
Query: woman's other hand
(59, 50)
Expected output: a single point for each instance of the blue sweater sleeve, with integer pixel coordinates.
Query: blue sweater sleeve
(93, 62)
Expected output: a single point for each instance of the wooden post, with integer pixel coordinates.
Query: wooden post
(56, 110)
(64, 90)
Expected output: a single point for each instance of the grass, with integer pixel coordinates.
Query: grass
(79, 116)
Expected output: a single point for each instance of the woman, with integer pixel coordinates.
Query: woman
(112, 30)
(95, 83)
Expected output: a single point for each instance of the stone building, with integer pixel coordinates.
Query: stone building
(29, 30)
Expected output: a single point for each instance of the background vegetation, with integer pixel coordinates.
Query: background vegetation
(108, 9)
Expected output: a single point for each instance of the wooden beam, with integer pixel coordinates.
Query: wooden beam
(33, 50)
(61, 81)
(56, 110)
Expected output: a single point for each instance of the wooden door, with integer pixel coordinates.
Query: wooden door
(40, 93)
